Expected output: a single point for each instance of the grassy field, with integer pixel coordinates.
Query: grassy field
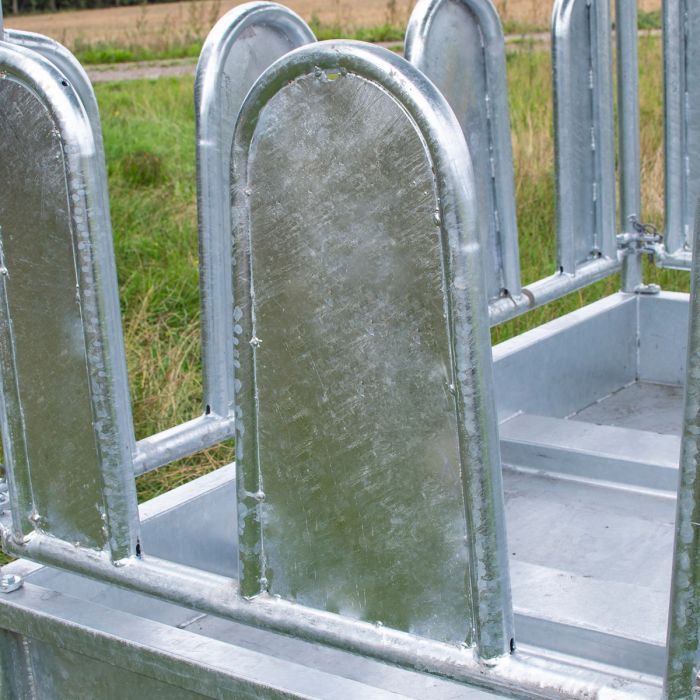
(149, 137)
(177, 29)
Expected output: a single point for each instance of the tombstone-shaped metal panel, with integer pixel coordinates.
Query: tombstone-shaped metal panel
(66, 417)
(682, 123)
(367, 455)
(243, 43)
(584, 132)
(459, 45)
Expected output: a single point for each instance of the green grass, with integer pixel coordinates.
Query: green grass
(649, 20)
(103, 52)
(149, 145)
(385, 32)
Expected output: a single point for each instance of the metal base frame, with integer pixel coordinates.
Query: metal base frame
(570, 457)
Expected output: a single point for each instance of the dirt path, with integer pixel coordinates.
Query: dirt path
(144, 70)
(151, 70)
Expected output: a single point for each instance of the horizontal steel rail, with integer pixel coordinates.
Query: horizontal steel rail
(551, 288)
(524, 674)
(181, 441)
(678, 260)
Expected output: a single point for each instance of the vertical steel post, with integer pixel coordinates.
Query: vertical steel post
(674, 123)
(683, 645)
(584, 132)
(628, 128)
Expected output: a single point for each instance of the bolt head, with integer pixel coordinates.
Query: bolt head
(10, 582)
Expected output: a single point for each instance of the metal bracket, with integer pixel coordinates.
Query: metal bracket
(642, 240)
(10, 583)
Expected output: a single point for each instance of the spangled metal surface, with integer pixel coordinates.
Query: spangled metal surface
(364, 353)
(682, 129)
(239, 48)
(683, 661)
(584, 132)
(460, 47)
(66, 416)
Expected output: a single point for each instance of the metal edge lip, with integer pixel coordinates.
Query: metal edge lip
(523, 674)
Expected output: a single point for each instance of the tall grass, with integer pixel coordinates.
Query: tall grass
(149, 138)
(149, 146)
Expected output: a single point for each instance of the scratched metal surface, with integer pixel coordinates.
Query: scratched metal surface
(66, 420)
(460, 47)
(40, 294)
(356, 425)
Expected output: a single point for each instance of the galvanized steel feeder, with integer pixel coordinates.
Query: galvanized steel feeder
(358, 238)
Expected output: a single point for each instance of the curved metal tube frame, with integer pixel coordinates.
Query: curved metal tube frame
(97, 295)
(502, 225)
(215, 121)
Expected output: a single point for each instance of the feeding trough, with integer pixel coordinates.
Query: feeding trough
(410, 512)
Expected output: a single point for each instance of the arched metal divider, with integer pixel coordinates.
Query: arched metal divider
(371, 432)
(71, 351)
(461, 48)
(584, 132)
(243, 43)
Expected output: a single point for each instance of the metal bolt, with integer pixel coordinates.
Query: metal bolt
(647, 289)
(10, 582)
